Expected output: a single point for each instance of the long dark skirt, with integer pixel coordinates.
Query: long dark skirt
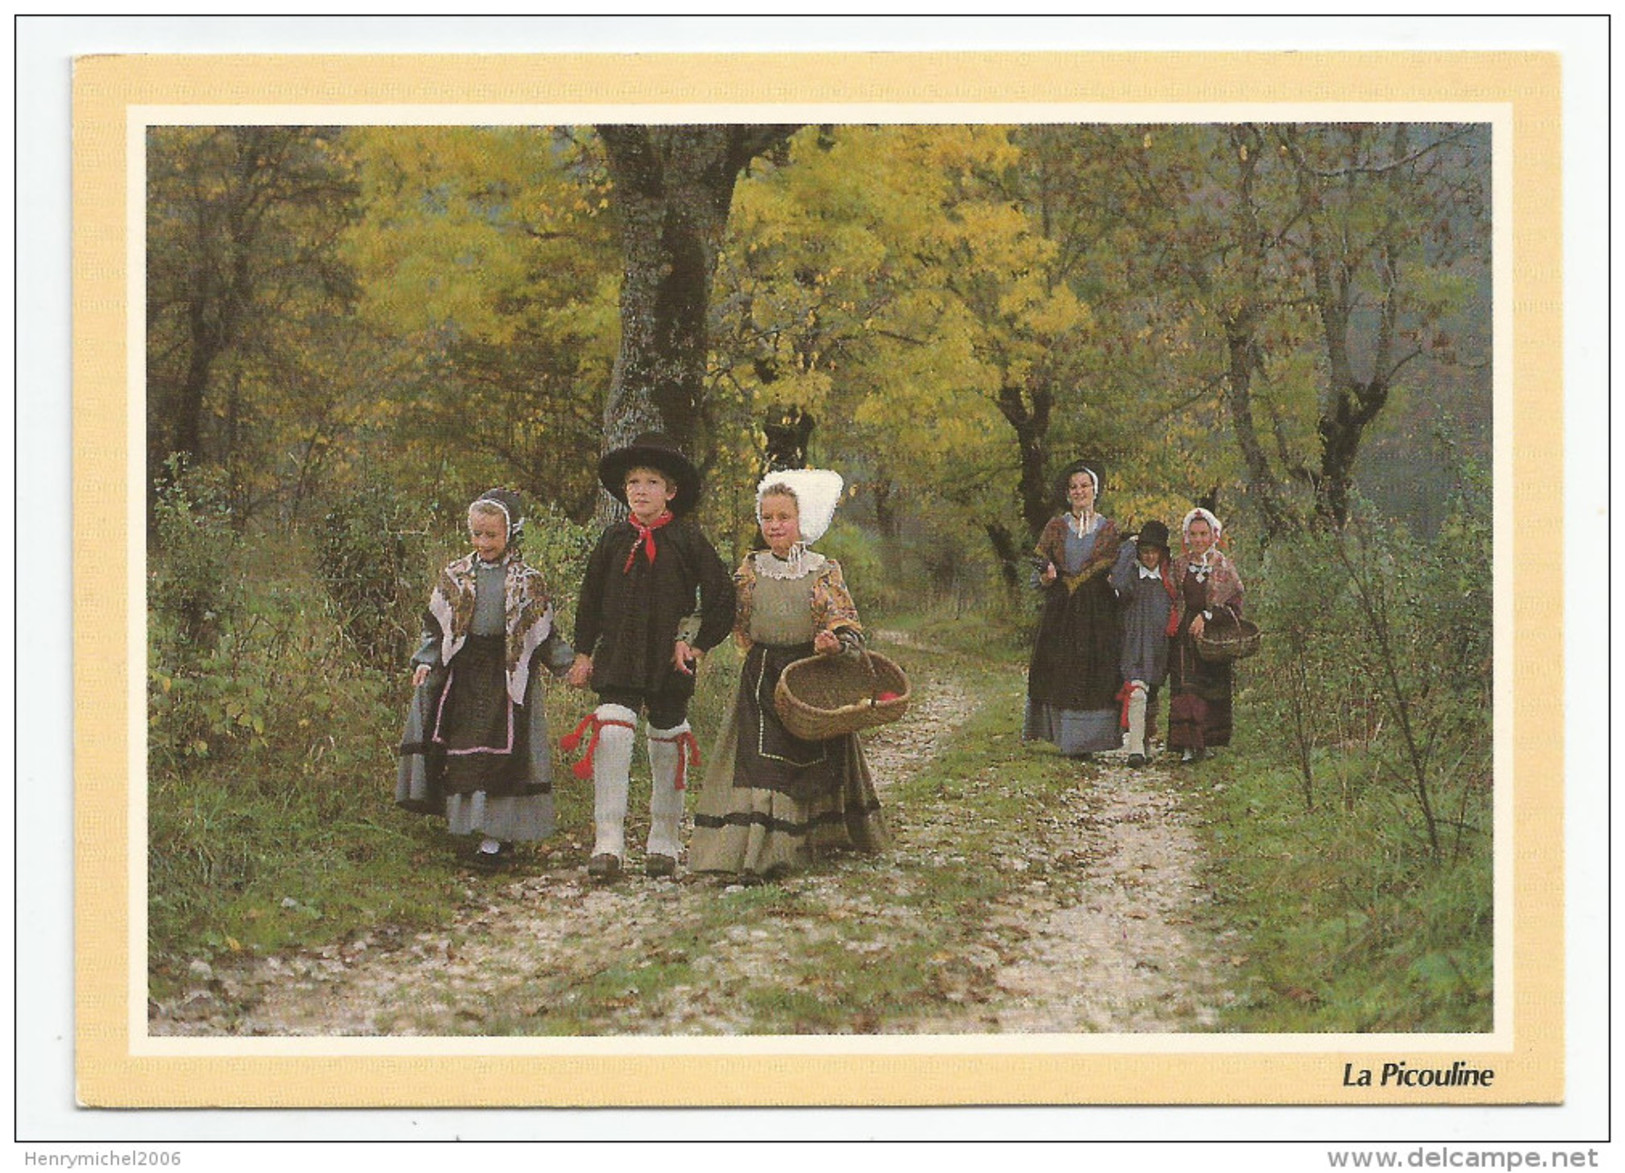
(1073, 679)
(470, 754)
(773, 802)
(1199, 714)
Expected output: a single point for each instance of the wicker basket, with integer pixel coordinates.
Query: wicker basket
(1232, 641)
(822, 697)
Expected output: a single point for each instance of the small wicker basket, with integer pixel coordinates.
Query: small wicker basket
(822, 697)
(1232, 641)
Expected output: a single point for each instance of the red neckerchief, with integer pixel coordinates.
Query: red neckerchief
(646, 538)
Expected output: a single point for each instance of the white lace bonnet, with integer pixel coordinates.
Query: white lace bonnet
(817, 492)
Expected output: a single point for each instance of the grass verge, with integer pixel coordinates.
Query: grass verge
(1354, 927)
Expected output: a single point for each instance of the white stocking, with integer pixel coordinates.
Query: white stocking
(666, 750)
(611, 770)
(1136, 717)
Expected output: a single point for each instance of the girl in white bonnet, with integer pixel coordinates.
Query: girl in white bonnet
(772, 802)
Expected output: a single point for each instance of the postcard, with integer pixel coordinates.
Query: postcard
(1152, 709)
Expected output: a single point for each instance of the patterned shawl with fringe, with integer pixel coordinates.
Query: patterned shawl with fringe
(1223, 586)
(527, 610)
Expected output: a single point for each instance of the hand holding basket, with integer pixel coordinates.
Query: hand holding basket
(1228, 641)
(822, 697)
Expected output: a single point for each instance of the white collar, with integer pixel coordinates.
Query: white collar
(1087, 524)
(800, 563)
(1145, 573)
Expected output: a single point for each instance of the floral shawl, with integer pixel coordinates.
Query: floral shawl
(832, 605)
(1052, 547)
(1223, 583)
(528, 611)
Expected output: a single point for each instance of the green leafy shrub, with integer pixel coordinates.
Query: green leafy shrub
(558, 548)
(367, 555)
(858, 552)
(190, 585)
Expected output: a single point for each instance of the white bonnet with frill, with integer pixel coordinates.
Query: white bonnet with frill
(1204, 515)
(817, 492)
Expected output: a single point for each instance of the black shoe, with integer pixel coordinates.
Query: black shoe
(604, 867)
(1136, 760)
(658, 865)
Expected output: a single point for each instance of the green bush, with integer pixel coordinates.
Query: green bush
(190, 585)
(1380, 645)
(558, 548)
(858, 552)
(271, 767)
(367, 555)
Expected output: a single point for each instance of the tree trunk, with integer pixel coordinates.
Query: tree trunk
(673, 187)
(1354, 403)
(1009, 556)
(1028, 411)
(788, 431)
(891, 546)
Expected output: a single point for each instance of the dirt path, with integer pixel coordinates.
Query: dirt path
(1100, 938)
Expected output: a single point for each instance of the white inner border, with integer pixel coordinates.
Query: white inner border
(1497, 115)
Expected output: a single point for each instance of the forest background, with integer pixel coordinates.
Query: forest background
(351, 331)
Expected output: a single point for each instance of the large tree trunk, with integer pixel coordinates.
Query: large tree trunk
(1354, 402)
(1009, 555)
(1028, 409)
(673, 188)
(788, 431)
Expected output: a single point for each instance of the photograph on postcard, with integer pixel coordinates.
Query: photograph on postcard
(820, 590)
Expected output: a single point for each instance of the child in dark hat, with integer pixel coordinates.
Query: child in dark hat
(1145, 588)
(640, 585)
(476, 747)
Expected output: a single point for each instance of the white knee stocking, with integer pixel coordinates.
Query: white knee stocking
(666, 750)
(611, 770)
(1136, 717)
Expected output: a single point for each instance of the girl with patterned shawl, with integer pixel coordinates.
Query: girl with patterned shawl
(476, 747)
(1208, 591)
(772, 803)
(1072, 679)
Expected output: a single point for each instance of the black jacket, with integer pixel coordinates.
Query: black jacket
(626, 619)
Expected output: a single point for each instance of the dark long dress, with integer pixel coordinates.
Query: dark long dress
(1200, 713)
(772, 802)
(1073, 679)
(469, 752)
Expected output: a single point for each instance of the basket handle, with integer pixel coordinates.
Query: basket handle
(874, 678)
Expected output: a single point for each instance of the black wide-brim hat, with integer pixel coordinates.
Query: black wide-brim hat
(1154, 533)
(658, 451)
(1077, 466)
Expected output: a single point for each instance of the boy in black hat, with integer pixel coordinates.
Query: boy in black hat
(639, 586)
(1146, 590)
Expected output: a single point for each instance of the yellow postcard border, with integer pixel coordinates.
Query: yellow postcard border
(115, 1068)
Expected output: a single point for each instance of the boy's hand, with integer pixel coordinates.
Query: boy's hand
(580, 672)
(420, 674)
(685, 657)
(825, 643)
